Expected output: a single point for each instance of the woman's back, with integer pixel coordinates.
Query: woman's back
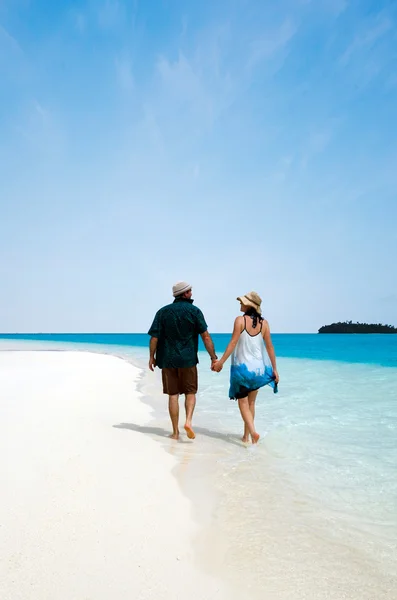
(250, 348)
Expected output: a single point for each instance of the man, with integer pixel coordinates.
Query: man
(173, 348)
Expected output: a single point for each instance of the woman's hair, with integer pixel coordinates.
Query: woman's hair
(251, 312)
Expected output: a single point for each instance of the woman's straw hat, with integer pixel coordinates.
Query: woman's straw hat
(252, 299)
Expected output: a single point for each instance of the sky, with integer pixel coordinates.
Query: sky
(239, 145)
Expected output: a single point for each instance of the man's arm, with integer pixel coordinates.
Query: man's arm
(152, 350)
(209, 345)
(202, 330)
(154, 333)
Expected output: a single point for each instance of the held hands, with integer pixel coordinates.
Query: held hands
(276, 377)
(216, 366)
(152, 363)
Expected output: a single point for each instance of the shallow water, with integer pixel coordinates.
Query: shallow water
(312, 511)
(322, 486)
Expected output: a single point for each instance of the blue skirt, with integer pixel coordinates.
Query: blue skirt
(243, 381)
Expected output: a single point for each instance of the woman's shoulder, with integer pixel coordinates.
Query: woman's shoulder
(239, 321)
(265, 326)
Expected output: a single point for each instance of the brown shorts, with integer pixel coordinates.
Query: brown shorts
(180, 381)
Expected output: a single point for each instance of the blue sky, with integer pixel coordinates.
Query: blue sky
(236, 144)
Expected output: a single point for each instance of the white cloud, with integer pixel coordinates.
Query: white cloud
(8, 41)
(40, 129)
(282, 169)
(333, 7)
(41, 111)
(318, 140)
(272, 42)
(337, 7)
(372, 31)
(152, 130)
(124, 74)
(182, 80)
(368, 56)
(110, 14)
(188, 91)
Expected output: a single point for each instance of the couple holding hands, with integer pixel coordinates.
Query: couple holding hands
(174, 345)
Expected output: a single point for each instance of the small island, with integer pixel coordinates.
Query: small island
(350, 327)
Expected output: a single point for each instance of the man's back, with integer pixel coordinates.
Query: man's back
(177, 327)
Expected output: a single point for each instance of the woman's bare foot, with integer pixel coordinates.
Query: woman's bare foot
(174, 436)
(255, 438)
(245, 439)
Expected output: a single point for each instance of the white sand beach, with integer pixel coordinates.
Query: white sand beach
(88, 510)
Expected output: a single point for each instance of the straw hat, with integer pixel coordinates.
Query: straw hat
(252, 299)
(180, 288)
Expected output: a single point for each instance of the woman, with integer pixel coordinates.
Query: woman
(251, 369)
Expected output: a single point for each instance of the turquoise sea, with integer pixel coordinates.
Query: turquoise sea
(311, 512)
(374, 349)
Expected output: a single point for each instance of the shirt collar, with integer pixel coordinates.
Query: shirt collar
(184, 300)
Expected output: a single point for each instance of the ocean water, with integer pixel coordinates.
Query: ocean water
(352, 348)
(312, 511)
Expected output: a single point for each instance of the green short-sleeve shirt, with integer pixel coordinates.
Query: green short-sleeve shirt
(177, 327)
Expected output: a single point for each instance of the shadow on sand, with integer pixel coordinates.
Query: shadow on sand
(160, 432)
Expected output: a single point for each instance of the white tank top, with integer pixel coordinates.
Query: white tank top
(251, 351)
(251, 367)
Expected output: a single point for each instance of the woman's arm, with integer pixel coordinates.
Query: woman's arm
(238, 328)
(270, 348)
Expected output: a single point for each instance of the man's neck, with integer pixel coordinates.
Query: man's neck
(181, 299)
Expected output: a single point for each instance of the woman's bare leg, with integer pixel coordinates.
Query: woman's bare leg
(248, 419)
(246, 435)
(251, 403)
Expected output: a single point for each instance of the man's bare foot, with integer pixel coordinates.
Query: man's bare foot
(255, 438)
(174, 436)
(245, 439)
(189, 431)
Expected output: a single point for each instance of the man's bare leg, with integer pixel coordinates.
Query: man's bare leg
(251, 403)
(173, 408)
(190, 403)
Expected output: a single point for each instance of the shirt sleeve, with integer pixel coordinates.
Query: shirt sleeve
(154, 330)
(201, 325)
